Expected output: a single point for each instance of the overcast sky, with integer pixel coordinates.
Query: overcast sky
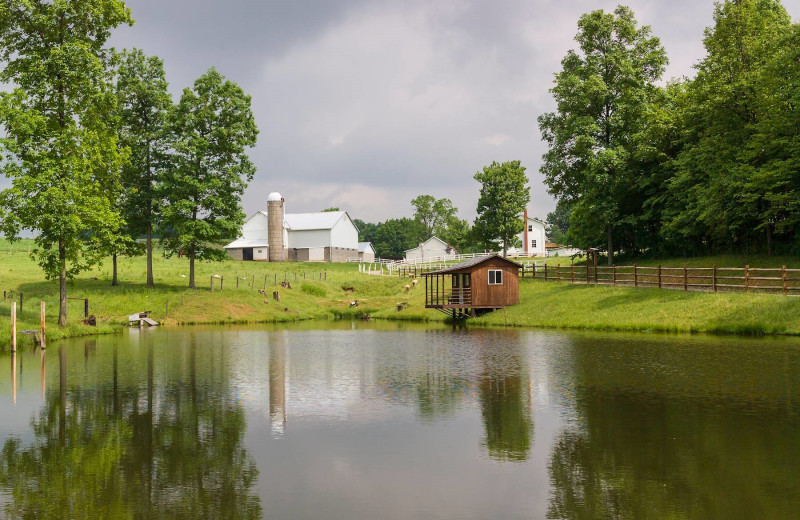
(364, 104)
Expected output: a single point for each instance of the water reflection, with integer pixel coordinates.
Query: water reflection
(170, 448)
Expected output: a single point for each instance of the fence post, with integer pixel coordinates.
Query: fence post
(558, 273)
(572, 272)
(659, 276)
(42, 327)
(86, 308)
(13, 326)
(613, 275)
(20, 303)
(212, 283)
(545, 272)
(635, 277)
(714, 278)
(747, 278)
(534, 269)
(785, 282)
(685, 278)
(221, 281)
(237, 280)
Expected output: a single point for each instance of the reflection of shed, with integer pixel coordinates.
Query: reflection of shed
(473, 287)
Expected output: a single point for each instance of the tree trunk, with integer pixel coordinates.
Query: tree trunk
(505, 248)
(191, 269)
(114, 281)
(62, 285)
(150, 282)
(769, 238)
(610, 245)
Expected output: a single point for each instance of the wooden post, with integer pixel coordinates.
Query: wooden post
(13, 326)
(326, 276)
(42, 326)
(572, 273)
(212, 283)
(545, 272)
(275, 279)
(265, 282)
(20, 303)
(588, 273)
(746, 278)
(558, 273)
(86, 307)
(221, 281)
(613, 275)
(714, 278)
(785, 282)
(237, 280)
(4, 296)
(685, 278)
(659, 276)
(635, 277)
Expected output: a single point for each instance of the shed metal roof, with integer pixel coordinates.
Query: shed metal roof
(472, 262)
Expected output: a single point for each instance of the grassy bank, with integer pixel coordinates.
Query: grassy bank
(324, 291)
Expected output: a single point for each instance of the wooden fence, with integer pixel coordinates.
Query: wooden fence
(710, 279)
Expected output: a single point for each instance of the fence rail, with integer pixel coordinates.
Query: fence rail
(710, 279)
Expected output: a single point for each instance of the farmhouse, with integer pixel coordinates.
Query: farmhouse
(475, 286)
(434, 247)
(366, 252)
(533, 238)
(275, 236)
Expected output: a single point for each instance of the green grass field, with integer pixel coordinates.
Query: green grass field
(324, 291)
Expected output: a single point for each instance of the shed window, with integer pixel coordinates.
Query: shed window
(259, 251)
(530, 227)
(533, 243)
(495, 277)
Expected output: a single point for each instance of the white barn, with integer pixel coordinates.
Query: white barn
(329, 236)
(366, 252)
(434, 247)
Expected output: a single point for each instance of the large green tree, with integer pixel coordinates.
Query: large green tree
(395, 236)
(503, 198)
(602, 94)
(212, 129)
(144, 103)
(433, 214)
(59, 146)
(724, 196)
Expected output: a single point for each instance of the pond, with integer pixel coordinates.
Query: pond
(363, 421)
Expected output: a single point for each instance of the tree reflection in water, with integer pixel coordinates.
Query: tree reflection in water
(169, 448)
(506, 402)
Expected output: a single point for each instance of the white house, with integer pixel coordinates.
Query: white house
(434, 247)
(329, 236)
(366, 252)
(533, 238)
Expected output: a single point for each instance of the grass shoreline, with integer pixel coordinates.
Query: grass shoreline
(325, 292)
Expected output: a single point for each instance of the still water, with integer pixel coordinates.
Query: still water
(365, 421)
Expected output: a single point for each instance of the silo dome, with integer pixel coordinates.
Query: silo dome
(274, 197)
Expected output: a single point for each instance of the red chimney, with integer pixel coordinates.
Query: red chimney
(525, 233)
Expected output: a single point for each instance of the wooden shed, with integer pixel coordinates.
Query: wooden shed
(475, 286)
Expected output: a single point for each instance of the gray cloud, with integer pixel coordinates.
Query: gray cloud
(366, 104)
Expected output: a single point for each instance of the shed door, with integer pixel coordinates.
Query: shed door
(247, 253)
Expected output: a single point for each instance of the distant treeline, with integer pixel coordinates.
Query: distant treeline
(704, 165)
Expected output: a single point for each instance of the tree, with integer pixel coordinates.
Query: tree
(144, 103)
(558, 222)
(395, 236)
(602, 94)
(330, 210)
(59, 149)
(212, 126)
(503, 199)
(433, 214)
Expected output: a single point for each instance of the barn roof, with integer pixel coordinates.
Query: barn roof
(472, 262)
(362, 246)
(243, 243)
(310, 221)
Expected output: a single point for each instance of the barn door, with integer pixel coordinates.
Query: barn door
(247, 253)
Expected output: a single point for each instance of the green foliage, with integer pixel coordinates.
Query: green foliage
(59, 149)
(558, 222)
(393, 237)
(314, 289)
(326, 210)
(602, 95)
(212, 126)
(503, 198)
(143, 105)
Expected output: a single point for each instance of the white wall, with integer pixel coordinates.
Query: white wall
(260, 253)
(316, 254)
(256, 228)
(536, 233)
(344, 234)
(310, 238)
